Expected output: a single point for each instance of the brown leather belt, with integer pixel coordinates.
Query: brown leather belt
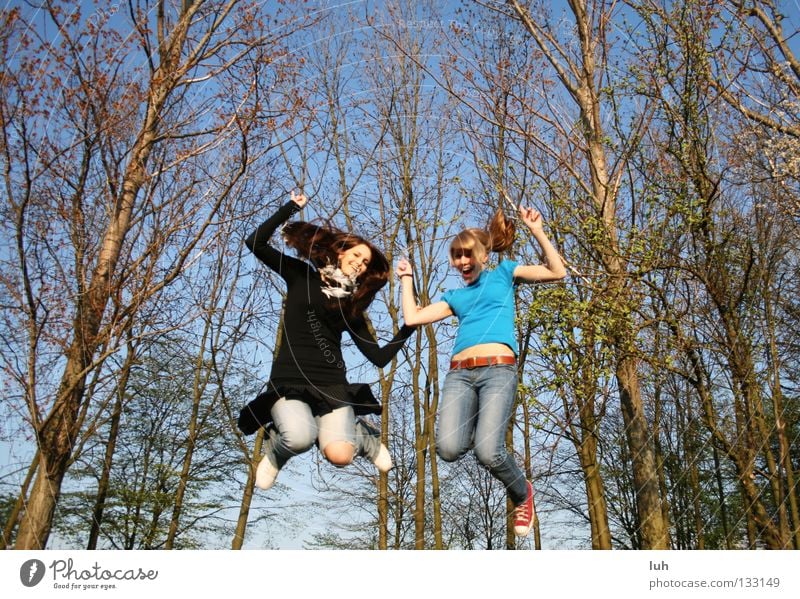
(482, 361)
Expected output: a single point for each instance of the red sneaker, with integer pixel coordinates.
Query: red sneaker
(524, 515)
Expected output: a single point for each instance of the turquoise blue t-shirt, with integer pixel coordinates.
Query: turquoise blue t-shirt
(485, 308)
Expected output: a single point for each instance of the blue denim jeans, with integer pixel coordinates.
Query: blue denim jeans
(475, 408)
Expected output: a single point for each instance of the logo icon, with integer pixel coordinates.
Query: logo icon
(31, 572)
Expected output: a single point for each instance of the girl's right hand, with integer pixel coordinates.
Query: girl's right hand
(299, 198)
(403, 268)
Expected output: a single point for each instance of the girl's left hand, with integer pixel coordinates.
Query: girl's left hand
(299, 198)
(403, 268)
(532, 218)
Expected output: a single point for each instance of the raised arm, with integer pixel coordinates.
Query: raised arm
(259, 240)
(553, 267)
(412, 313)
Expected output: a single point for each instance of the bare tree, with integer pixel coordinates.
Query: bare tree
(131, 153)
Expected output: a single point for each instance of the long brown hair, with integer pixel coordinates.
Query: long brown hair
(497, 237)
(322, 246)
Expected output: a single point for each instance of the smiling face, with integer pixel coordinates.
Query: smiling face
(468, 254)
(354, 261)
(466, 263)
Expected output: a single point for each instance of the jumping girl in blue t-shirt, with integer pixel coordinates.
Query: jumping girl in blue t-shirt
(480, 388)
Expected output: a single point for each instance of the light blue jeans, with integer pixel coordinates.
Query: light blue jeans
(475, 408)
(295, 430)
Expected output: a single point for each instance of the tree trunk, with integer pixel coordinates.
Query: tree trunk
(692, 457)
(430, 424)
(420, 451)
(13, 517)
(41, 506)
(659, 459)
(593, 479)
(526, 420)
(511, 538)
(383, 484)
(648, 502)
(108, 460)
(247, 494)
(779, 414)
(595, 495)
(723, 505)
(198, 388)
(55, 442)
(750, 425)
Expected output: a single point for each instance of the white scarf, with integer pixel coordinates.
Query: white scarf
(336, 284)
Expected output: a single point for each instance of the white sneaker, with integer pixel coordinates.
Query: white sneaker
(383, 461)
(370, 446)
(266, 473)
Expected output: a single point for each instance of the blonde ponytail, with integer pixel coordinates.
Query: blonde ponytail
(501, 232)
